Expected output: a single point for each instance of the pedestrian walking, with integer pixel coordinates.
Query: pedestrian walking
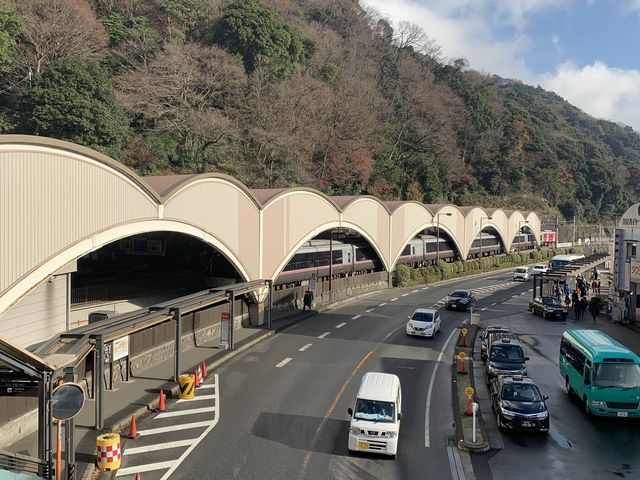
(307, 300)
(594, 287)
(594, 308)
(598, 286)
(567, 300)
(583, 306)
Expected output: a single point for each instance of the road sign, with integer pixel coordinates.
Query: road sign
(469, 391)
(225, 320)
(15, 386)
(108, 352)
(66, 401)
(462, 355)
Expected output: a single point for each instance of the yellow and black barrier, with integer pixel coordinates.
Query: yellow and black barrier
(187, 386)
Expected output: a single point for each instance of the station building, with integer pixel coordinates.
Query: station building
(626, 270)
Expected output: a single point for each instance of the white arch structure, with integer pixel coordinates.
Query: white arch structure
(60, 201)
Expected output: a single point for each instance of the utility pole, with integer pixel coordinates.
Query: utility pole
(574, 230)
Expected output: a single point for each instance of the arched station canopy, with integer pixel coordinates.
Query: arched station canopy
(60, 201)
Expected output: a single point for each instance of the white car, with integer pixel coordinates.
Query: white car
(521, 273)
(539, 268)
(425, 322)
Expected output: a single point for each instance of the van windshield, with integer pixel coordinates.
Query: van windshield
(616, 375)
(374, 411)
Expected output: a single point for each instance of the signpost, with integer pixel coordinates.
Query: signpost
(67, 401)
(225, 329)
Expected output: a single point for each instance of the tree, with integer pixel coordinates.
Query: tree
(10, 26)
(259, 35)
(74, 100)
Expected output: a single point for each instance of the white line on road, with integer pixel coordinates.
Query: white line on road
(341, 325)
(405, 295)
(427, 440)
(150, 467)
(182, 413)
(302, 349)
(183, 426)
(356, 317)
(206, 387)
(455, 463)
(284, 362)
(483, 309)
(159, 446)
(494, 303)
(203, 435)
(370, 310)
(196, 398)
(324, 334)
(425, 288)
(382, 304)
(394, 299)
(415, 291)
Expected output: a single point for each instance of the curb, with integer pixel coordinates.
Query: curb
(464, 433)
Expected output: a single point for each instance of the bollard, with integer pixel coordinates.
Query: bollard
(108, 450)
(474, 409)
(187, 386)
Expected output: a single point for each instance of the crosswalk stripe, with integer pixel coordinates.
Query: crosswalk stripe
(149, 467)
(159, 446)
(206, 387)
(196, 398)
(184, 426)
(182, 413)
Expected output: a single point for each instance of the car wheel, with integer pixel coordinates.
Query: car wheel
(567, 386)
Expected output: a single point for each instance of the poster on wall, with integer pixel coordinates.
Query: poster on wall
(120, 348)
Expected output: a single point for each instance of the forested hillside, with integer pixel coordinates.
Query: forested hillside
(317, 93)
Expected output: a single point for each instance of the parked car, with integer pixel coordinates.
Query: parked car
(518, 404)
(485, 337)
(460, 300)
(548, 307)
(521, 273)
(539, 268)
(424, 322)
(505, 356)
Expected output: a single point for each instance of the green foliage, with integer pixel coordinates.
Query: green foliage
(403, 276)
(260, 37)
(74, 100)
(187, 13)
(10, 26)
(123, 28)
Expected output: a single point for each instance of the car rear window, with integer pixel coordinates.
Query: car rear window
(521, 270)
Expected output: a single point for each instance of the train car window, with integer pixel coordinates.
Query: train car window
(407, 250)
(348, 257)
(337, 256)
(413, 250)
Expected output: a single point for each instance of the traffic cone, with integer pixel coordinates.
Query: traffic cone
(463, 340)
(468, 413)
(161, 405)
(133, 431)
(461, 369)
(198, 380)
(204, 370)
(137, 476)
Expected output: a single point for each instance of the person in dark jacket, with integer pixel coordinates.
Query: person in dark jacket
(307, 300)
(583, 306)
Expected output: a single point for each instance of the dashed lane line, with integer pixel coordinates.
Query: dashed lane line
(160, 446)
(394, 299)
(184, 426)
(494, 304)
(149, 467)
(341, 325)
(404, 295)
(324, 334)
(182, 413)
(302, 349)
(197, 398)
(415, 291)
(382, 304)
(356, 317)
(425, 288)
(284, 362)
(370, 310)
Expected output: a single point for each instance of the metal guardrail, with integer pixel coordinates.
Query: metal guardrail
(15, 462)
(96, 293)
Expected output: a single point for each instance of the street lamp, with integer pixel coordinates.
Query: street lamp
(481, 219)
(438, 234)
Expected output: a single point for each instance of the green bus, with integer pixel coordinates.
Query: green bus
(604, 374)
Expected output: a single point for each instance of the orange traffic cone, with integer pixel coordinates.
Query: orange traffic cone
(197, 377)
(204, 370)
(133, 432)
(468, 413)
(461, 369)
(137, 476)
(161, 405)
(463, 340)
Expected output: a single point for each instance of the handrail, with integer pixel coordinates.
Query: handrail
(16, 462)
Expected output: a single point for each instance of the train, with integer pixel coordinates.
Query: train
(523, 241)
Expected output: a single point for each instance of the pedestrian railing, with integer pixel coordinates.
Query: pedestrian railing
(17, 463)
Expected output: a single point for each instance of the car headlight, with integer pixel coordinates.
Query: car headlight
(355, 430)
(597, 403)
(493, 369)
(507, 413)
(542, 415)
(391, 434)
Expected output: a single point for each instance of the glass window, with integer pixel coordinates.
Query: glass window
(374, 411)
(507, 354)
(620, 375)
(422, 317)
(521, 392)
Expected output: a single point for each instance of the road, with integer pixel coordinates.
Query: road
(279, 410)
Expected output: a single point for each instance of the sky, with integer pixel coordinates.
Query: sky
(586, 51)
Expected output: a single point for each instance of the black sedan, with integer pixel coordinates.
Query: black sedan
(518, 404)
(484, 337)
(460, 300)
(548, 307)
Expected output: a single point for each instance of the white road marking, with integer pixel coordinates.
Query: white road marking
(196, 398)
(284, 362)
(415, 291)
(425, 288)
(206, 387)
(427, 439)
(203, 435)
(455, 463)
(370, 310)
(405, 295)
(356, 317)
(159, 446)
(394, 299)
(183, 426)
(150, 467)
(324, 334)
(302, 349)
(382, 304)
(341, 325)
(494, 303)
(182, 413)
(483, 309)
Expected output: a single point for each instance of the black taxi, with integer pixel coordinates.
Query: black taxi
(518, 404)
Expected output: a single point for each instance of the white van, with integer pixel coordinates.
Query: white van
(521, 273)
(376, 414)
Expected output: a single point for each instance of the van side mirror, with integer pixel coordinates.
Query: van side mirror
(399, 416)
(350, 411)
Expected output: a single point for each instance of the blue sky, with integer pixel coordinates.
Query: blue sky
(587, 51)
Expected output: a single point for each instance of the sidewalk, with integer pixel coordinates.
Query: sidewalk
(139, 396)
